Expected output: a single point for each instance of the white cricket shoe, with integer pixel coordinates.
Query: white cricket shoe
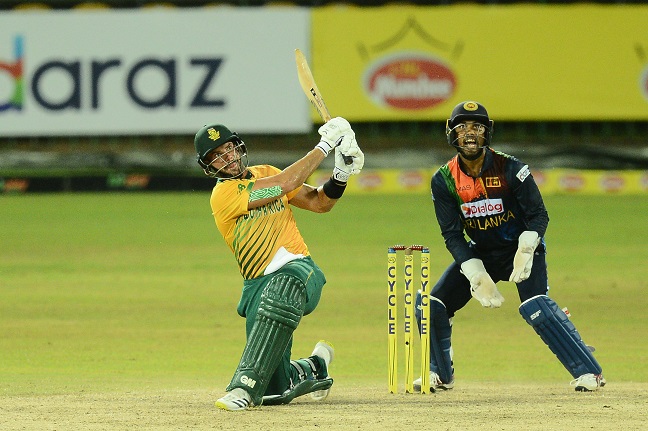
(588, 382)
(435, 383)
(325, 351)
(235, 400)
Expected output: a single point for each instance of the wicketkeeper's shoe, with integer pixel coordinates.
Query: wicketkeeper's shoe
(588, 382)
(435, 383)
(325, 351)
(235, 400)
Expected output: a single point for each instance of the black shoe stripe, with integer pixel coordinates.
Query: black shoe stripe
(241, 403)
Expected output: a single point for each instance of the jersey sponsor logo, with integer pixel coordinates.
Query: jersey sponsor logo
(493, 182)
(523, 173)
(484, 207)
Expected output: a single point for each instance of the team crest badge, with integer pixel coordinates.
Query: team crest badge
(213, 134)
(470, 106)
(493, 182)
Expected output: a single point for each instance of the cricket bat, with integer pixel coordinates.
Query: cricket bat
(311, 91)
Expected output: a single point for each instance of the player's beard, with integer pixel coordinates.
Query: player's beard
(236, 168)
(233, 169)
(472, 151)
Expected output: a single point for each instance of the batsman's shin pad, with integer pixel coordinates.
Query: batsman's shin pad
(282, 305)
(440, 337)
(560, 334)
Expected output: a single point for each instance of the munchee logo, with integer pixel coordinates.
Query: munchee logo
(409, 81)
(482, 208)
(642, 55)
(643, 82)
(12, 71)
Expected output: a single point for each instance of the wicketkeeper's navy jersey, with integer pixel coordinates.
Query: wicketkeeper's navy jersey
(493, 209)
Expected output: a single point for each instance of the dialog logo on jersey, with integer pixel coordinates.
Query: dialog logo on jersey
(409, 81)
(482, 208)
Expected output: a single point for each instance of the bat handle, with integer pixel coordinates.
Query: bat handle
(348, 160)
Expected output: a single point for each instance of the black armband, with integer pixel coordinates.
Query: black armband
(334, 189)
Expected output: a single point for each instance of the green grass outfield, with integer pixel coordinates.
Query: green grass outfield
(117, 292)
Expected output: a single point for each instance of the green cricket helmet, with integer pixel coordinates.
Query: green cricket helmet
(468, 111)
(213, 136)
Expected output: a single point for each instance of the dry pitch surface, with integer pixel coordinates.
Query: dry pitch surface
(470, 406)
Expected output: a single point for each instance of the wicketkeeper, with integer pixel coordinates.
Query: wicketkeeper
(281, 282)
(493, 198)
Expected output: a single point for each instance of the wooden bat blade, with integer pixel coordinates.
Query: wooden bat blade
(311, 91)
(309, 86)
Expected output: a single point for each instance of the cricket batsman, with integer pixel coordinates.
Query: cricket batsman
(251, 206)
(493, 199)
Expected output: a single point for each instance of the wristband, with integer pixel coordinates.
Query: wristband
(333, 189)
(324, 147)
(340, 176)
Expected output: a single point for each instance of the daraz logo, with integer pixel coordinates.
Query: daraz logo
(75, 70)
(15, 72)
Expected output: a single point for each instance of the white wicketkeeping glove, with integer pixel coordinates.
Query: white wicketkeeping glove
(482, 286)
(332, 133)
(523, 260)
(342, 171)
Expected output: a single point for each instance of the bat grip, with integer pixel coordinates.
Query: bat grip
(348, 160)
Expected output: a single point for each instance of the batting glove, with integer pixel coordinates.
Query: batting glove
(332, 133)
(343, 170)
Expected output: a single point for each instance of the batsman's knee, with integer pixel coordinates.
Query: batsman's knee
(283, 300)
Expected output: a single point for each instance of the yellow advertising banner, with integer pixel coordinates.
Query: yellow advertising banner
(523, 62)
(550, 181)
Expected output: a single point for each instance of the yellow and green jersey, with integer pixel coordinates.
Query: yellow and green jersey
(254, 236)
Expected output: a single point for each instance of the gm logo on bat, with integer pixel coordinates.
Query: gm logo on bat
(87, 76)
